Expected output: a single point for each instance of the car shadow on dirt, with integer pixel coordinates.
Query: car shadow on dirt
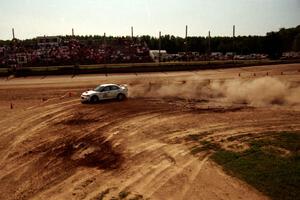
(106, 101)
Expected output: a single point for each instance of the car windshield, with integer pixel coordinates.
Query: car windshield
(99, 88)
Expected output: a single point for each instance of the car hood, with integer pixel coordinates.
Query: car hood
(90, 92)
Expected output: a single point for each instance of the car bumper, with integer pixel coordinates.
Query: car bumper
(84, 98)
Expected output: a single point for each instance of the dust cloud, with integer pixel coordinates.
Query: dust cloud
(262, 91)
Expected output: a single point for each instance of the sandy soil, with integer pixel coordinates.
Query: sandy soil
(54, 147)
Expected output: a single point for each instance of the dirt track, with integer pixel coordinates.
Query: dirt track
(54, 147)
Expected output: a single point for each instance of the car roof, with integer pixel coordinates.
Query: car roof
(109, 84)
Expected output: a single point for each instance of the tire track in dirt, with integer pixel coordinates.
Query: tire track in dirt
(154, 153)
(29, 125)
(52, 150)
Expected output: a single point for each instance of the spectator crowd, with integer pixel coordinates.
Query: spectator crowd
(53, 51)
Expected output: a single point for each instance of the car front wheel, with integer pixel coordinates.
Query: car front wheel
(94, 99)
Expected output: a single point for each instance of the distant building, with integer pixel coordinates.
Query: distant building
(154, 54)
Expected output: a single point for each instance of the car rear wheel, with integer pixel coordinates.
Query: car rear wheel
(94, 99)
(121, 97)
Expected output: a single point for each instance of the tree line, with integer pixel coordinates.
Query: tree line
(273, 44)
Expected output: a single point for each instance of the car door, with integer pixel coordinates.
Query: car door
(105, 93)
(114, 91)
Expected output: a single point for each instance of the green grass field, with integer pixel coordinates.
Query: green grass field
(271, 164)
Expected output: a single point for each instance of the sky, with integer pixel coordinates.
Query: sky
(32, 18)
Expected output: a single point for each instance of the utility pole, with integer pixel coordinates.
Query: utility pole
(233, 42)
(104, 39)
(209, 45)
(72, 32)
(132, 32)
(159, 47)
(13, 33)
(186, 44)
(233, 31)
(104, 46)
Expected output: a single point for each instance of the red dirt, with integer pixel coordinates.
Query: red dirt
(54, 147)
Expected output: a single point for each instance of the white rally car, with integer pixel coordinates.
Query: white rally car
(105, 91)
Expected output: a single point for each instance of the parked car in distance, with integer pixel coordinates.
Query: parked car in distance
(104, 92)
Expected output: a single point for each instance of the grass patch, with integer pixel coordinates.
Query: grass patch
(197, 137)
(194, 137)
(272, 174)
(286, 140)
(205, 146)
(239, 137)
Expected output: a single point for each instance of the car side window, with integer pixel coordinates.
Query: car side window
(114, 88)
(106, 89)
